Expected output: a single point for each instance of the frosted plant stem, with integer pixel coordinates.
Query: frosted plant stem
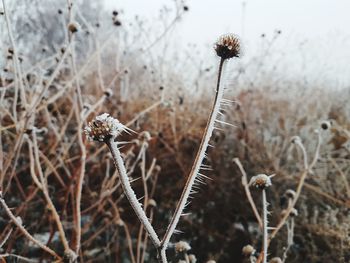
(196, 166)
(129, 192)
(50, 204)
(247, 191)
(265, 222)
(16, 59)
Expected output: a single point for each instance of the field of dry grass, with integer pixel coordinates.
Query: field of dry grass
(62, 199)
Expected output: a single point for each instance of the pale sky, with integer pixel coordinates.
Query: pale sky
(322, 25)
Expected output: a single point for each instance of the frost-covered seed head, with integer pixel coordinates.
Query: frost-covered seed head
(295, 139)
(103, 128)
(326, 125)
(248, 250)
(228, 46)
(145, 136)
(275, 260)
(260, 181)
(152, 202)
(293, 212)
(192, 258)
(70, 255)
(108, 93)
(73, 27)
(2, 12)
(182, 246)
(120, 222)
(19, 220)
(290, 194)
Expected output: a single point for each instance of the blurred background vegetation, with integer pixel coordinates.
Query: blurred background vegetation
(133, 69)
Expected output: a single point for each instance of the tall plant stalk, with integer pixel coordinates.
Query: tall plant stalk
(196, 165)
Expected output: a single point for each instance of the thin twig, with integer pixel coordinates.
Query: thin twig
(247, 191)
(18, 223)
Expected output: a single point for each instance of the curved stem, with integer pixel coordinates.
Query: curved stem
(196, 165)
(129, 192)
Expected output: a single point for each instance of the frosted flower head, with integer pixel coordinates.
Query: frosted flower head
(293, 212)
(182, 246)
(192, 258)
(152, 202)
(145, 136)
(326, 125)
(275, 260)
(290, 193)
(103, 128)
(248, 250)
(261, 181)
(295, 140)
(228, 46)
(73, 27)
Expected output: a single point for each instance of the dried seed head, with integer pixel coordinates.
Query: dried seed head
(293, 212)
(108, 93)
(290, 194)
(73, 27)
(19, 220)
(260, 181)
(145, 136)
(104, 127)
(228, 46)
(326, 125)
(192, 258)
(275, 260)
(117, 23)
(70, 256)
(157, 168)
(182, 246)
(248, 250)
(2, 12)
(119, 222)
(152, 202)
(295, 140)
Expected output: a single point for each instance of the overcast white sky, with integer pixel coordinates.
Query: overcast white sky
(209, 18)
(324, 24)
